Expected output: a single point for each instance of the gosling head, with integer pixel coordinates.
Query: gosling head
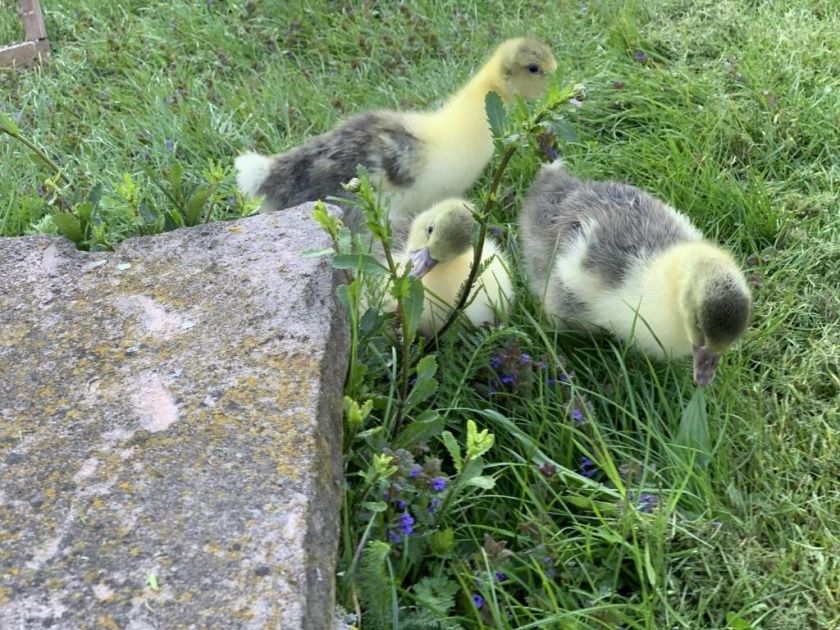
(440, 234)
(524, 65)
(716, 311)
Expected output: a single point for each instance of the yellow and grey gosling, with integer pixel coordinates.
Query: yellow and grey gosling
(605, 255)
(417, 158)
(439, 249)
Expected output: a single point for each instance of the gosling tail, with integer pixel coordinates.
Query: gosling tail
(252, 169)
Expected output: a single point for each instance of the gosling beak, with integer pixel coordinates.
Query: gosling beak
(705, 364)
(421, 262)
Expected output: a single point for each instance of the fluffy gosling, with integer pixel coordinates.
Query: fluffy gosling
(415, 158)
(608, 255)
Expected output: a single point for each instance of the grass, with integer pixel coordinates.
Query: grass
(727, 110)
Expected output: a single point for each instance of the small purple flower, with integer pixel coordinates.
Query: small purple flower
(524, 358)
(477, 600)
(647, 502)
(551, 152)
(496, 231)
(495, 362)
(508, 379)
(394, 536)
(438, 484)
(401, 504)
(501, 577)
(587, 467)
(640, 56)
(434, 505)
(575, 102)
(415, 471)
(578, 417)
(170, 144)
(407, 523)
(563, 378)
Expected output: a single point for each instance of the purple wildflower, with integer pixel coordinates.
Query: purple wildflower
(401, 504)
(495, 362)
(477, 600)
(578, 417)
(563, 378)
(508, 379)
(434, 505)
(496, 231)
(501, 577)
(640, 56)
(407, 523)
(647, 502)
(587, 467)
(394, 536)
(524, 358)
(438, 484)
(551, 152)
(169, 143)
(415, 471)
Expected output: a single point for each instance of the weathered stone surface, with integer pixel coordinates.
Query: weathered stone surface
(170, 444)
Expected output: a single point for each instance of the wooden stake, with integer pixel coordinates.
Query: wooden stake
(37, 45)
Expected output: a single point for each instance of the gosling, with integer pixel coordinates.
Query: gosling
(439, 249)
(414, 158)
(605, 255)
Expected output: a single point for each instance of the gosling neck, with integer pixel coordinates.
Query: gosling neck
(472, 95)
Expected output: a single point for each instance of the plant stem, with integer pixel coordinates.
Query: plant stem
(476, 263)
(37, 150)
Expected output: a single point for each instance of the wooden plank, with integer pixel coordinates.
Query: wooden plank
(38, 46)
(33, 20)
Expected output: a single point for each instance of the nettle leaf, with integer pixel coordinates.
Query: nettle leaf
(482, 481)
(359, 262)
(426, 384)
(69, 227)
(413, 306)
(427, 425)
(196, 203)
(496, 114)
(693, 432)
(451, 445)
(95, 196)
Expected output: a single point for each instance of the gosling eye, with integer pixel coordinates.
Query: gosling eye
(533, 68)
(429, 230)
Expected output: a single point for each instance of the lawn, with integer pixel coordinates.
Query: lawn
(584, 512)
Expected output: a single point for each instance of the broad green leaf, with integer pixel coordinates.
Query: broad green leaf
(451, 445)
(95, 195)
(693, 432)
(482, 481)
(69, 227)
(734, 621)
(359, 262)
(496, 114)
(426, 384)
(83, 211)
(428, 425)
(196, 203)
(375, 506)
(413, 307)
